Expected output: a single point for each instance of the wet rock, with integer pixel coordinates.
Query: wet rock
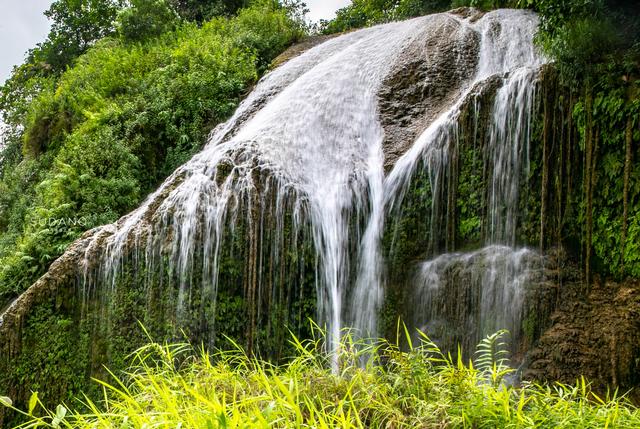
(596, 336)
(300, 48)
(470, 13)
(426, 80)
(61, 274)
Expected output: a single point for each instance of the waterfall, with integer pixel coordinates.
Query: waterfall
(461, 297)
(303, 159)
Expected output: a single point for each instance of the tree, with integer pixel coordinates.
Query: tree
(76, 25)
(362, 13)
(146, 19)
(203, 10)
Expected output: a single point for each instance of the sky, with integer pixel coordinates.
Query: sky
(320, 9)
(22, 25)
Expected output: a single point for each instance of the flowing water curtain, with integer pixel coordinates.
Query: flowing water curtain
(460, 297)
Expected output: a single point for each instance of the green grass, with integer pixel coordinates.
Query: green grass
(176, 386)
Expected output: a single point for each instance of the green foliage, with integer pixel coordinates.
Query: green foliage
(203, 10)
(48, 338)
(556, 14)
(492, 357)
(595, 45)
(589, 37)
(84, 148)
(611, 110)
(364, 13)
(581, 45)
(266, 30)
(486, 4)
(410, 8)
(145, 19)
(76, 25)
(177, 386)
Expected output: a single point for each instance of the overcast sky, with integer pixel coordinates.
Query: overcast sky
(321, 9)
(22, 25)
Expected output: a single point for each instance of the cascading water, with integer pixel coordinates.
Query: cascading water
(305, 153)
(461, 297)
(318, 138)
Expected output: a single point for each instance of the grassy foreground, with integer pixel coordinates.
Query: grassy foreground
(175, 386)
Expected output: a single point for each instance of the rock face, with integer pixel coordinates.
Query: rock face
(428, 77)
(300, 48)
(465, 296)
(594, 335)
(53, 287)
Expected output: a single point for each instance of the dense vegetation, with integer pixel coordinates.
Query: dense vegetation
(175, 386)
(94, 127)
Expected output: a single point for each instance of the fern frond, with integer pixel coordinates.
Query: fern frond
(492, 355)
